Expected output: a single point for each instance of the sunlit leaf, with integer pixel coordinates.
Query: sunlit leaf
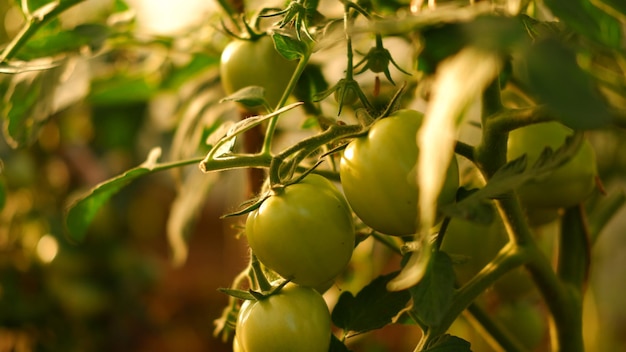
(436, 140)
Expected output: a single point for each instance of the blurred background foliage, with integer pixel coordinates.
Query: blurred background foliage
(117, 290)
(125, 77)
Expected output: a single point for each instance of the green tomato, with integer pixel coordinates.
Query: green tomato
(566, 186)
(304, 233)
(256, 63)
(346, 96)
(378, 175)
(236, 345)
(295, 319)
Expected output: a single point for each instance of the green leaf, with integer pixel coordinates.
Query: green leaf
(616, 5)
(491, 33)
(123, 89)
(585, 18)
(51, 43)
(28, 103)
(512, 175)
(82, 211)
(250, 96)
(121, 6)
(556, 79)
(198, 64)
(336, 345)
(290, 48)
(448, 343)
(440, 43)
(240, 294)
(372, 308)
(432, 296)
(311, 83)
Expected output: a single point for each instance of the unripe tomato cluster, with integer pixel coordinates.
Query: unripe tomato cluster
(305, 233)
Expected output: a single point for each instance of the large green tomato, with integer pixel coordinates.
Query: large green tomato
(566, 186)
(378, 175)
(305, 233)
(295, 319)
(256, 63)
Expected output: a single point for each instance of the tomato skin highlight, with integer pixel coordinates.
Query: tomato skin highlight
(378, 175)
(255, 63)
(295, 319)
(305, 233)
(566, 186)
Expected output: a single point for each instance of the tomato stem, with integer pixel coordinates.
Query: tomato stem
(259, 275)
(490, 155)
(271, 127)
(510, 119)
(509, 258)
(494, 333)
(307, 146)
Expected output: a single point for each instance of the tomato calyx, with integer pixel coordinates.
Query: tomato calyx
(346, 92)
(254, 295)
(249, 34)
(298, 13)
(378, 59)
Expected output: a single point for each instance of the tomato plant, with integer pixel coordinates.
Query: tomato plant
(303, 232)
(295, 318)
(84, 95)
(384, 164)
(255, 62)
